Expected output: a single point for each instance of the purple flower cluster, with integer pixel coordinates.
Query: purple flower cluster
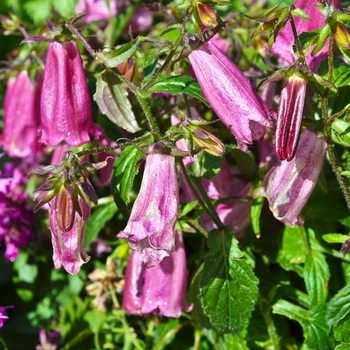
(16, 216)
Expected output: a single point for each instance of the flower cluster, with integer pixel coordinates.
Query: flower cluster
(16, 216)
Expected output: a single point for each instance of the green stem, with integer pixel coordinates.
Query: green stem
(326, 119)
(165, 65)
(207, 208)
(271, 329)
(132, 87)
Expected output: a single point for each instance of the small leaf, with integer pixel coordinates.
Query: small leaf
(341, 332)
(313, 321)
(124, 171)
(112, 99)
(100, 215)
(316, 276)
(255, 212)
(228, 285)
(113, 58)
(321, 40)
(300, 13)
(179, 84)
(208, 166)
(335, 238)
(339, 306)
(341, 132)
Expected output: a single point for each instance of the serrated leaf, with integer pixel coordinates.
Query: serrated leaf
(313, 321)
(99, 217)
(179, 84)
(112, 99)
(341, 332)
(255, 212)
(339, 306)
(228, 285)
(124, 172)
(316, 276)
(335, 238)
(113, 58)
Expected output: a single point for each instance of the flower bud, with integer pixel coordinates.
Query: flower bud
(342, 36)
(206, 14)
(289, 117)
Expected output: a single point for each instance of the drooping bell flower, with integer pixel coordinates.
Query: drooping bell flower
(65, 101)
(160, 289)
(230, 94)
(289, 117)
(288, 185)
(22, 116)
(151, 226)
(68, 244)
(70, 195)
(97, 10)
(283, 46)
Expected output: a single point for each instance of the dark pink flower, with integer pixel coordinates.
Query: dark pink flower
(289, 118)
(49, 340)
(160, 289)
(230, 94)
(68, 245)
(283, 47)
(288, 185)
(3, 315)
(22, 116)
(151, 226)
(97, 10)
(65, 101)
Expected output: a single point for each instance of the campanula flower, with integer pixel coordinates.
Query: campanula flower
(151, 226)
(288, 185)
(65, 101)
(97, 10)
(3, 315)
(22, 116)
(230, 94)
(160, 289)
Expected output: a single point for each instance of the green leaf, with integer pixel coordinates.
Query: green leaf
(165, 332)
(112, 99)
(313, 321)
(343, 346)
(113, 58)
(255, 212)
(228, 286)
(38, 10)
(293, 251)
(300, 13)
(99, 217)
(341, 132)
(124, 171)
(208, 165)
(188, 208)
(339, 306)
(341, 75)
(335, 238)
(179, 84)
(341, 332)
(316, 276)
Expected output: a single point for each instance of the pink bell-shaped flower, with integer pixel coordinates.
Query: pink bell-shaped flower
(68, 245)
(151, 226)
(283, 46)
(288, 185)
(97, 10)
(230, 94)
(161, 288)
(22, 116)
(65, 101)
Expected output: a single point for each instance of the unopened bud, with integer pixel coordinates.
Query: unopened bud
(342, 36)
(207, 15)
(64, 209)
